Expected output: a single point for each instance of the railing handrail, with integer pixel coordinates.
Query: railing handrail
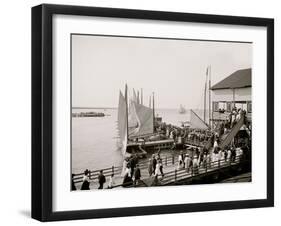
(182, 171)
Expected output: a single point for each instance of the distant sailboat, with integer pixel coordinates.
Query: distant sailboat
(182, 110)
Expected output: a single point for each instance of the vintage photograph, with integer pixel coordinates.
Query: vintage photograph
(150, 111)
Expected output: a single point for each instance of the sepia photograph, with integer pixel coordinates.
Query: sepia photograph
(154, 111)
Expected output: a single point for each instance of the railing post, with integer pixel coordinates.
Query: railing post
(219, 163)
(90, 174)
(175, 175)
(173, 160)
(166, 162)
(112, 169)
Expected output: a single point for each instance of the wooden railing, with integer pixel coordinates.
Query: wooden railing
(166, 161)
(184, 173)
(171, 176)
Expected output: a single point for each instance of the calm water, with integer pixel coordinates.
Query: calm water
(94, 139)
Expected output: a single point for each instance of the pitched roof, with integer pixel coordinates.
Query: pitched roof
(238, 79)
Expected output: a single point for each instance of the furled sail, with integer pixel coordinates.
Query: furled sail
(196, 122)
(144, 117)
(122, 122)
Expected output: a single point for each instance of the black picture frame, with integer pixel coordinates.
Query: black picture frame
(42, 111)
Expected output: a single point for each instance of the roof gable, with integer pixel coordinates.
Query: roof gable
(238, 79)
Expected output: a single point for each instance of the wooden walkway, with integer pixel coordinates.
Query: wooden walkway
(172, 173)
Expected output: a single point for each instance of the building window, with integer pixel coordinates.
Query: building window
(215, 106)
(228, 106)
(249, 106)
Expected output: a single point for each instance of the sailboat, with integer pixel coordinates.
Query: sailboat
(136, 126)
(122, 123)
(195, 120)
(182, 110)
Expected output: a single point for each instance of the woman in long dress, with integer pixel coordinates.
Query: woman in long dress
(187, 162)
(228, 155)
(157, 169)
(86, 180)
(180, 160)
(195, 165)
(127, 181)
(150, 167)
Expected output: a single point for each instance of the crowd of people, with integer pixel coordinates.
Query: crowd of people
(183, 135)
(155, 166)
(190, 160)
(209, 158)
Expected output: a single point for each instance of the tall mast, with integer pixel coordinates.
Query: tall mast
(205, 96)
(126, 100)
(153, 108)
(149, 101)
(141, 97)
(138, 97)
(210, 96)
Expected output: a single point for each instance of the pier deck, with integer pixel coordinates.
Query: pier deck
(173, 174)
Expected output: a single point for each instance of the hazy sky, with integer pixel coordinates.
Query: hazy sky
(175, 70)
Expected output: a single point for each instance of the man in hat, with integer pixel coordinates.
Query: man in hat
(137, 174)
(154, 162)
(101, 179)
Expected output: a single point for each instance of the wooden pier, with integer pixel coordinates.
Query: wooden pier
(173, 174)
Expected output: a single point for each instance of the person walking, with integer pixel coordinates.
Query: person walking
(187, 162)
(161, 168)
(180, 160)
(73, 187)
(204, 161)
(101, 179)
(228, 155)
(86, 180)
(195, 165)
(209, 160)
(225, 155)
(154, 162)
(233, 154)
(111, 182)
(150, 167)
(157, 169)
(127, 181)
(137, 175)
